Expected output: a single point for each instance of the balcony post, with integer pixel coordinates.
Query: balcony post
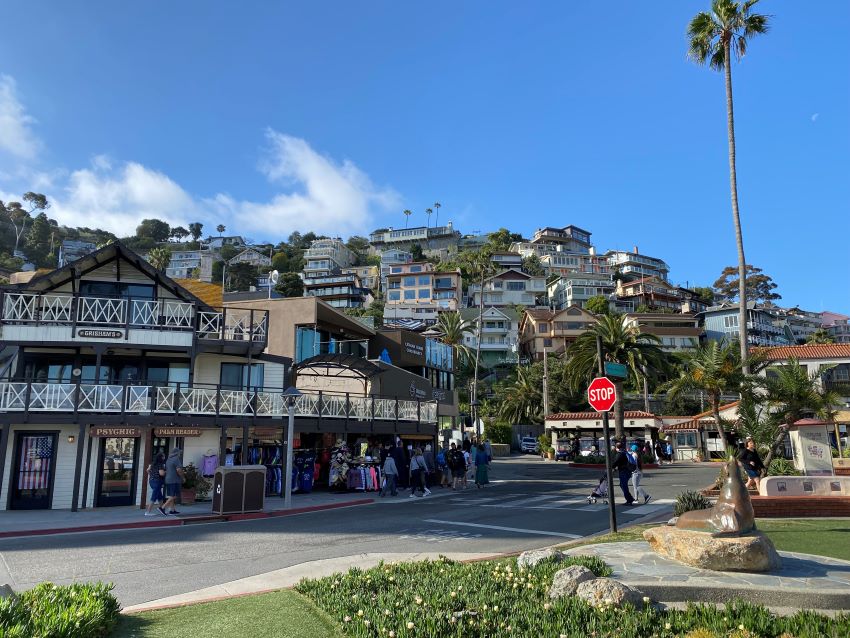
(319, 409)
(347, 410)
(27, 398)
(77, 398)
(78, 466)
(176, 406)
(124, 399)
(217, 400)
(221, 328)
(251, 325)
(373, 411)
(396, 413)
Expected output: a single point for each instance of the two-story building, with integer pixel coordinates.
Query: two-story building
(633, 265)
(253, 257)
(837, 325)
(552, 331)
(369, 276)
(574, 289)
(677, 332)
(652, 292)
(327, 257)
(509, 288)
(426, 237)
(217, 243)
(344, 290)
(721, 322)
(184, 264)
(499, 335)
(829, 362)
(417, 291)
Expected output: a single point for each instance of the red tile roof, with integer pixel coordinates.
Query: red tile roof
(811, 351)
(576, 416)
(693, 424)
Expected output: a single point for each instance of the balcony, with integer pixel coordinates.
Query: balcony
(63, 317)
(35, 397)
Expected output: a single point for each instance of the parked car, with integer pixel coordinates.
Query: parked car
(529, 445)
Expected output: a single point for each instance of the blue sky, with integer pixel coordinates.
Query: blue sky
(334, 117)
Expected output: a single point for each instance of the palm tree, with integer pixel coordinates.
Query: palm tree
(429, 212)
(713, 38)
(522, 401)
(714, 368)
(160, 257)
(453, 328)
(792, 394)
(220, 228)
(820, 336)
(481, 267)
(621, 343)
(437, 209)
(407, 213)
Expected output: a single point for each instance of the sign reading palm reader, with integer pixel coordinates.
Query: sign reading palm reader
(601, 394)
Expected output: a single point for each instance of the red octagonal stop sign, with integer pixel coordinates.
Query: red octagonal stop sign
(601, 394)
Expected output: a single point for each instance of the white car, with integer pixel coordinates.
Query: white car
(529, 445)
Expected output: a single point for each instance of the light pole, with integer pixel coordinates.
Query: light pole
(473, 406)
(291, 395)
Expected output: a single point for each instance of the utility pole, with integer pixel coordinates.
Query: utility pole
(606, 434)
(545, 383)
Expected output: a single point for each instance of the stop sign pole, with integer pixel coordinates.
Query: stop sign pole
(606, 433)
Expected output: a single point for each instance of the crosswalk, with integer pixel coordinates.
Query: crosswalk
(552, 501)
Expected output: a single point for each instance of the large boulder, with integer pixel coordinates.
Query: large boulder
(531, 558)
(753, 552)
(566, 581)
(6, 591)
(607, 591)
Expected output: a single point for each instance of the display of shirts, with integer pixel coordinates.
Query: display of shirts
(209, 464)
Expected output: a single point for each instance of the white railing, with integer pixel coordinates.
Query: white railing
(21, 396)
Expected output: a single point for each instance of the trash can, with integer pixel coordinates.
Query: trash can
(238, 489)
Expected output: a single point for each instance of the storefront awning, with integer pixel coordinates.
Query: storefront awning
(338, 365)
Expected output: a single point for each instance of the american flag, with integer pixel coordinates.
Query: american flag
(36, 454)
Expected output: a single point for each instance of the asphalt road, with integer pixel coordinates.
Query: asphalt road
(530, 504)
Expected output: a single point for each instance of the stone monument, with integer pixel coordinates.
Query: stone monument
(721, 538)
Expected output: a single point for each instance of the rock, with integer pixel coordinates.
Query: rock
(753, 552)
(607, 591)
(6, 591)
(531, 558)
(566, 581)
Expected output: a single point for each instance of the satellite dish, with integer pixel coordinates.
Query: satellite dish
(274, 276)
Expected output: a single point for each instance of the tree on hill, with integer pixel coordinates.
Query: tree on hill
(220, 229)
(290, 285)
(241, 276)
(760, 287)
(416, 251)
(179, 233)
(360, 247)
(598, 305)
(18, 215)
(154, 229)
(196, 229)
(160, 257)
(39, 240)
(705, 294)
(502, 239)
(532, 266)
(714, 37)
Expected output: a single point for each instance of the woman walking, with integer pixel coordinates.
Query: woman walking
(636, 463)
(156, 480)
(481, 469)
(418, 470)
(752, 463)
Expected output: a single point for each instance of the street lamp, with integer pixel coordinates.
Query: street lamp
(473, 407)
(291, 395)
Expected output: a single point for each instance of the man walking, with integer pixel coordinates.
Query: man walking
(636, 466)
(390, 477)
(173, 480)
(621, 465)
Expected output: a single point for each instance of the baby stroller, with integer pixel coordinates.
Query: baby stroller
(600, 491)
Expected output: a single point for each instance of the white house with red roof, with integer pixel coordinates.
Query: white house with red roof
(697, 435)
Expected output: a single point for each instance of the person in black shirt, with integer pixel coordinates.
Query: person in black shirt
(752, 463)
(621, 465)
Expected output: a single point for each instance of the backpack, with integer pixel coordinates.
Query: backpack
(441, 458)
(632, 462)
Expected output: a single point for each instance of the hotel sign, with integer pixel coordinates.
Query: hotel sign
(99, 333)
(115, 432)
(177, 431)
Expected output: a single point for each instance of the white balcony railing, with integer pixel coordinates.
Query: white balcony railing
(23, 396)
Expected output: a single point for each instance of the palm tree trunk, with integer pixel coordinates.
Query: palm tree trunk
(718, 423)
(736, 217)
(646, 395)
(478, 350)
(619, 413)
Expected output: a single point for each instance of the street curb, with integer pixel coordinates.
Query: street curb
(601, 466)
(188, 520)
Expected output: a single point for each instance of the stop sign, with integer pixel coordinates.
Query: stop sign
(601, 394)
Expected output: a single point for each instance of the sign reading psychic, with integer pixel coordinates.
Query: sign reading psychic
(177, 432)
(115, 432)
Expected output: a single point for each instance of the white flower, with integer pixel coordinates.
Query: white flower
(668, 626)
(391, 634)
(360, 613)
(452, 620)
(646, 599)
(347, 619)
(366, 622)
(386, 612)
(410, 625)
(547, 606)
(418, 600)
(453, 594)
(495, 608)
(741, 627)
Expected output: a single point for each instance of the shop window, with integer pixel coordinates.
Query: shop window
(241, 376)
(686, 439)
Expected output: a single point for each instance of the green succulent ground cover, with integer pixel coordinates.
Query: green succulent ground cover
(489, 599)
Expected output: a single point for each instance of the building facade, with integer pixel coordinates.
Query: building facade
(339, 291)
(509, 288)
(253, 257)
(326, 257)
(416, 291)
(552, 331)
(575, 289)
(427, 238)
(676, 332)
(633, 265)
(183, 264)
(721, 322)
(499, 335)
(73, 249)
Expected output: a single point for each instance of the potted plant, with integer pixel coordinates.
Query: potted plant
(195, 486)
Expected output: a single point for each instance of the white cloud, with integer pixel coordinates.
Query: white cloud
(16, 136)
(323, 196)
(815, 117)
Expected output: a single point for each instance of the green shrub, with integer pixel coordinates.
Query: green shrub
(498, 433)
(81, 610)
(782, 467)
(494, 598)
(688, 501)
(545, 442)
(593, 459)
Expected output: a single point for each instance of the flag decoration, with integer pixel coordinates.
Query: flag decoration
(36, 455)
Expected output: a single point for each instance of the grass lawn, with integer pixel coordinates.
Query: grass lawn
(823, 536)
(282, 614)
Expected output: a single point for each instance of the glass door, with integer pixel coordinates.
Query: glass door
(35, 466)
(118, 468)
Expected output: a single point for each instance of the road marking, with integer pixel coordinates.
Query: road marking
(504, 529)
(438, 535)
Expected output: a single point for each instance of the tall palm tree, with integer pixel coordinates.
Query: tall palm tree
(522, 401)
(220, 228)
(792, 394)
(714, 368)
(429, 212)
(407, 213)
(621, 343)
(481, 267)
(713, 38)
(437, 209)
(453, 328)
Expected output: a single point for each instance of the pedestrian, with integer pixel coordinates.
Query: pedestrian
(458, 467)
(442, 467)
(621, 464)
(481, 463)
(173, 480)
(428, 454)
(488, 450)
(417, 474)
(390, 477)
(668, 452)
(467, 444)
(637, 474)
(156, 480)
(467, 464)
(397, 452)
(752, 463)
